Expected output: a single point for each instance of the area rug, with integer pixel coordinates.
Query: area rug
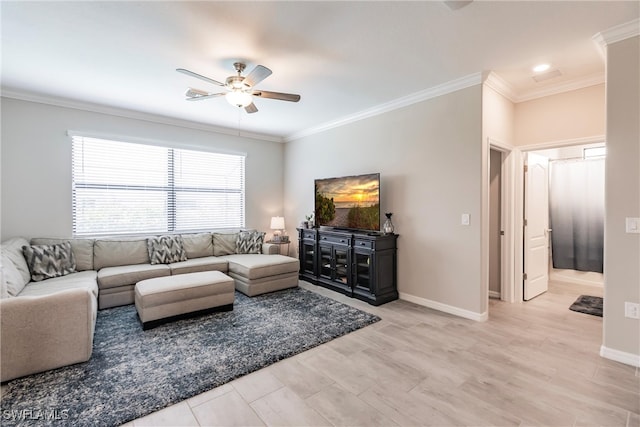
(588, 304)
(134, 372)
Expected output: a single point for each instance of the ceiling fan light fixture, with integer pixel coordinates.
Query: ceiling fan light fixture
(238, 98)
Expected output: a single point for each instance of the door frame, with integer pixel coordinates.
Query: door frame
(507, 196)
(512, 214)
(518, 203)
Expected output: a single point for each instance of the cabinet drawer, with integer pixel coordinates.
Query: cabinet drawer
(340, 240)
(368, 244)
(309, 235)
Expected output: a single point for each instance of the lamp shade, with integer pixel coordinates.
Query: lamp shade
(277, 223)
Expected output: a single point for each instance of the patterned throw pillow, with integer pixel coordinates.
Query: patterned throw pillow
(249, 242)
(166, 249)
(47, 261)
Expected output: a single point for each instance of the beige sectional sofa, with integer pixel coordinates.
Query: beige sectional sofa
(50, 323)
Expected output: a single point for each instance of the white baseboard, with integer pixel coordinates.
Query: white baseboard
(494, 294)
(456, 311)
(620, 356)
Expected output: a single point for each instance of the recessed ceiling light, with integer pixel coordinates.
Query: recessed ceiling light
(540, 68)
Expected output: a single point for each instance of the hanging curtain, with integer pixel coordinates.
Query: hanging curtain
(576, 205)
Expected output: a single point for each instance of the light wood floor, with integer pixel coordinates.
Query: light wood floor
(534, 363)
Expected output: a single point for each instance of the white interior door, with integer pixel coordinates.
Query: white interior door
(536, 229)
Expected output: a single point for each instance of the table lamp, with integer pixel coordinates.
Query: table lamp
(277, 224)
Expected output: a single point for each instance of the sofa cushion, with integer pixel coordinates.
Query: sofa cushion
(194, 265)
(80, 280)
(12, 249)
(249, 242)
(82, 250)
(198, 245)
(224, 243)
(112, 277)
(165, 249)
(116, 252)
(12, 280)
(47, 261)
(256, 266)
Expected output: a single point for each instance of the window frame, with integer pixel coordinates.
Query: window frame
(172, 189)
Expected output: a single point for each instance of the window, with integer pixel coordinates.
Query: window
(125, 188)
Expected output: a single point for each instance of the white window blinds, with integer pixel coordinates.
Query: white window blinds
(125, 188)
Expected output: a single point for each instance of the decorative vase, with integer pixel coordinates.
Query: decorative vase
(387, 227)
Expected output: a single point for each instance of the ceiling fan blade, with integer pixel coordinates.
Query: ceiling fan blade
(277, 95)
(197, 94)
(192, 92)
(257, 75)
(251, 108)
(198, 76)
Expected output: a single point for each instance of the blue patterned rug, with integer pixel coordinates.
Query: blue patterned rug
(134, 372)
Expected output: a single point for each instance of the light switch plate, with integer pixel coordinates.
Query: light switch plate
(631, 310)
(632, 225)
(465, 219)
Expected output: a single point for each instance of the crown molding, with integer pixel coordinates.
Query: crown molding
(579, 83)
(616, 34)
(498, 84)
(131, 114)
(433, 92)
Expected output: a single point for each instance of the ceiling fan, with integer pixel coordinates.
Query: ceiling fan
(240, 89)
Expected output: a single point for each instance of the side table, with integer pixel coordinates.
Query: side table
(280, 245)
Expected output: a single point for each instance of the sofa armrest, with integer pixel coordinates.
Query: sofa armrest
(270, 249)
(38, 333)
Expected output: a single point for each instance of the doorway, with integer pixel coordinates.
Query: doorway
(512, 214)
(495, 224)
(576, 212)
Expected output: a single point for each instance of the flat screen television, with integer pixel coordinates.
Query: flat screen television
(348, 202)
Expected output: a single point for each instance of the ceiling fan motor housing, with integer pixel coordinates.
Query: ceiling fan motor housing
(235, 82)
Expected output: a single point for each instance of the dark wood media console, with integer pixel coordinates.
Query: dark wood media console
(359, 265)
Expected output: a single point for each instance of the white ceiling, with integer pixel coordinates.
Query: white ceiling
(341, 57)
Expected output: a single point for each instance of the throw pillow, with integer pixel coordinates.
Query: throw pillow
(12, 282)
(249, 242)
(48, 261)
(224, 243)
(166, 249)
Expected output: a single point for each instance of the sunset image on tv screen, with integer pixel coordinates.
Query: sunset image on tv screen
(350, 202)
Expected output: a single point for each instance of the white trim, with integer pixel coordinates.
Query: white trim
(617, 33)
(564, 143)
(130, 114)
(508, 267)
(620, 356)
(575, 84)
(433, 92)
(494, 294)
(456, 311)
(497, 83)
(146, 141)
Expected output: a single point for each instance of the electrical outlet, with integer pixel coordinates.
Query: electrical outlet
(631, 310)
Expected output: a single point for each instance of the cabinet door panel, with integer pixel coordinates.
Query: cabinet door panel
(326, 262)
(363, 272)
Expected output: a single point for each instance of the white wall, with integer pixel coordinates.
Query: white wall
(622, 189)
(429, 158)
(36, 164)
(566, 116)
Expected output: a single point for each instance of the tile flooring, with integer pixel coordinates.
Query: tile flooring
(535, 363)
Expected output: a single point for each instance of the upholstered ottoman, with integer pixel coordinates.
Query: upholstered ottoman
(162, 299)
(257, 274)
